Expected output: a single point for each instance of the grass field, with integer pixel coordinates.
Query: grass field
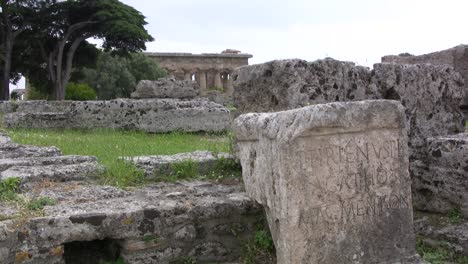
(108, 145)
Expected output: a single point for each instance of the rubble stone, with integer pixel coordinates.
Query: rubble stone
(166, 88)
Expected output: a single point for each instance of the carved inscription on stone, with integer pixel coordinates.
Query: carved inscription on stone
(351, 177)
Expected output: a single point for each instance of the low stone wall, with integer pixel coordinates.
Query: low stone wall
(149, 115)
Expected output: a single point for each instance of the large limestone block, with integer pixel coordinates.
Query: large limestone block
(431, 94)
(149, 115)
(166, 88)
(440, 180)
(333, 180)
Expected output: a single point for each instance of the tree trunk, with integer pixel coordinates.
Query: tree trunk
(5, 83)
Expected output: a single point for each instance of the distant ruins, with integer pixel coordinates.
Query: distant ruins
(457, 57)
(209, 70)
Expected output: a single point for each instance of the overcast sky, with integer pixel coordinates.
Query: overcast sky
(361, 31)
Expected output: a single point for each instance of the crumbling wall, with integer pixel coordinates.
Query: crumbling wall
(431, 94)
(457, 57)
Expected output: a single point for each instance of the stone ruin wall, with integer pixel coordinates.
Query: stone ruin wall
(456, 57)
(431, 95)
(148, 115)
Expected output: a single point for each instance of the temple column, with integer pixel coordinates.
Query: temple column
(217, 80)
(188, 76)
(202, 82)
(224, 80)
(229, 86)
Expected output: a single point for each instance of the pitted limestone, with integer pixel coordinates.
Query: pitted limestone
(166, 88)
(145, 225)
(333, 180)
(441, 178)
(150, 115)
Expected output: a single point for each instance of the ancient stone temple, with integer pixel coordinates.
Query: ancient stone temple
(209, 70)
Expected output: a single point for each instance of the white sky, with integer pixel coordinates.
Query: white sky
(361, 31)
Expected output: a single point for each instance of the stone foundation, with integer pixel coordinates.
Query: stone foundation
(149, 115)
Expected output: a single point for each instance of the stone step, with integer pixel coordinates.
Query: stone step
(204, 162)
(13, 150)
(55, 172)
(156, 224)
(44, 161)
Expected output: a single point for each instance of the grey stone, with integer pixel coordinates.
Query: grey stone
(166, 88)
(439, 231)
(431, 94)
(4, 139)
(333, 179)
(440, 180)
(457, 57)
(13, 150)
(154, 166)
(155, 229)
(149, 115)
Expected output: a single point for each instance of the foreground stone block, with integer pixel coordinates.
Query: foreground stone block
(204, 162)
(149, 115)
(333, 180)
(441, 179)
(166, 88)
(164, 223)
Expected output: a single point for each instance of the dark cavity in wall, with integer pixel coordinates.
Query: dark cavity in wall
(92, 252)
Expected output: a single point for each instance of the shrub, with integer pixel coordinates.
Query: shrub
(39, 203)
(9, 189)
(79, 92)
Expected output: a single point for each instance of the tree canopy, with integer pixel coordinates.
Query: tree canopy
(58, 31)
(117, 76)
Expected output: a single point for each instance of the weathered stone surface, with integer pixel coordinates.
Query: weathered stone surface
(440, 179)
(13, 150)
(333, 180)
(204, 162)
(441, 232)
(33, 164)
(166, 88)
(150, 115)
(431, 94)
(148, 225)
(4, 139)
(457, 57)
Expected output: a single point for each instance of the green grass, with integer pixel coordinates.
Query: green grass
(39, 203)
(9, 189)
(108, 145)
(439, 254)
(260, 249)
